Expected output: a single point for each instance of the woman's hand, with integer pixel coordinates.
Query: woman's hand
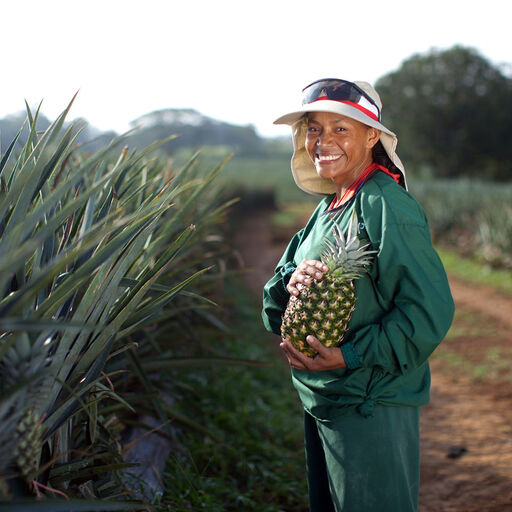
(326, 358)
(304, 275)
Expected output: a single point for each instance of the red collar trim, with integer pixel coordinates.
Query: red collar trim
(355, 187)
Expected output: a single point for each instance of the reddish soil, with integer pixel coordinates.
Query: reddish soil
(466, 428)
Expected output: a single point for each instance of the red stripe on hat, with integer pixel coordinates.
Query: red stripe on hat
(369, 113)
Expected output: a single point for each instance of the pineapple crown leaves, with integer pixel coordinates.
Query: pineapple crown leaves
(347, 256)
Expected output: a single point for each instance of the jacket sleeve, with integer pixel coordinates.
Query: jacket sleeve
(275, 294)
(410, 280)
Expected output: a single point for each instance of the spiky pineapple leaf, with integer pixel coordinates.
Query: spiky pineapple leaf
(8, 152)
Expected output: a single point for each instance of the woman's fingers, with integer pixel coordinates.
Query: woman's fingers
(304, 275)
(325, 359)
(292, 355)
(313, 268)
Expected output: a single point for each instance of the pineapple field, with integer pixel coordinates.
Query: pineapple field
(130, 296)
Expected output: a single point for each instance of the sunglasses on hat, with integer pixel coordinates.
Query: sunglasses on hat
(343, 91)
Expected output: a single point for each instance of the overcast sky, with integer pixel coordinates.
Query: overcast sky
(238, 61)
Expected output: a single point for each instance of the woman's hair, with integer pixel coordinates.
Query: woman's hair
(381, 157)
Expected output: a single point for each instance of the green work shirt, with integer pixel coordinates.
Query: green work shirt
(403, 310)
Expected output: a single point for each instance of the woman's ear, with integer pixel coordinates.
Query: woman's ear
(373, 137)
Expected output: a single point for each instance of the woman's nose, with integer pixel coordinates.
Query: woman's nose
(325, 138)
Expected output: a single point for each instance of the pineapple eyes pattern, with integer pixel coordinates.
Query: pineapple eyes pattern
(324, 308)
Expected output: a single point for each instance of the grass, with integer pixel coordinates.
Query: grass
(475, 272)
(469, 324)
(474, 346)
(293, 214)
(494, 365)
(254, 457)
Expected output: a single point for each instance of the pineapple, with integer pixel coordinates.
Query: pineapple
(28, 444)
(324, 308)
(25, 359)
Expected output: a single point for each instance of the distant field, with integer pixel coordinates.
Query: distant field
(263, 173)
(252, 173)
(472, 216)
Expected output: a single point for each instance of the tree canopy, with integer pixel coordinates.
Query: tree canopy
(452, 111)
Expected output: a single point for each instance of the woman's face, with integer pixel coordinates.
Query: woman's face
(339, 146)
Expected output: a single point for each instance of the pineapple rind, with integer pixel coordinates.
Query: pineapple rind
(27, 451)
(328, 325)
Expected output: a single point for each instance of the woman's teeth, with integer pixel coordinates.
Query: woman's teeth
(327, 158)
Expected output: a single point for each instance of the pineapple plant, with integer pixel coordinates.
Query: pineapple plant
(324, 308)
(93, 250)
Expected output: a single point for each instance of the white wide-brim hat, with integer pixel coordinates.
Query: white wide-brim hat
(303, 168)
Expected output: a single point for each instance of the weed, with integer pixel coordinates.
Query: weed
(257, 461)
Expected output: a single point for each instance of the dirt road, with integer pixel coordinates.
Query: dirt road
(466, 429)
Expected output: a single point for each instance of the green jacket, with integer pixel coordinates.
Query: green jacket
(404, 306)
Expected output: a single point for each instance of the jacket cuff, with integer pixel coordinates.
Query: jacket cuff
(286, 273)
(352, 359)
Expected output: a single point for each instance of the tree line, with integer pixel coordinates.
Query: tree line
(452, 112)
(451, 109)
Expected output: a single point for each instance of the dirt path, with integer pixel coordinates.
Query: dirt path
(466, 429)
(471, 411)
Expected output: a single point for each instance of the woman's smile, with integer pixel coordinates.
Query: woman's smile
(327, 158)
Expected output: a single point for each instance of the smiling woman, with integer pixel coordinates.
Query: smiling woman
(362, 385)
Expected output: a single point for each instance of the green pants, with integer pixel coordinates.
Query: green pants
(357, 464)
